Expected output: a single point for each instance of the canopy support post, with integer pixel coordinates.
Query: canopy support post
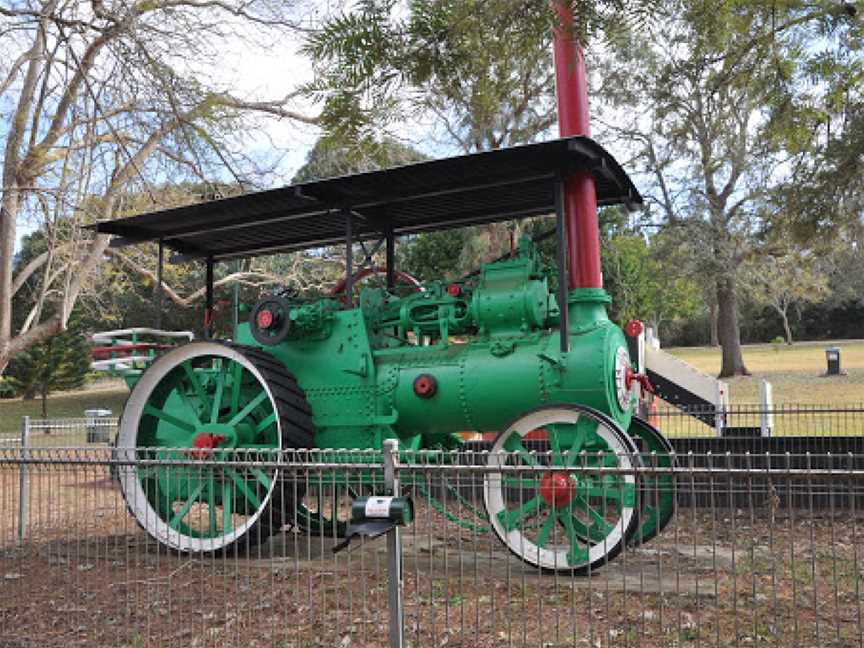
(391, 259)
(208, 304)
(349, 257)
(159, 263)
(561, 249)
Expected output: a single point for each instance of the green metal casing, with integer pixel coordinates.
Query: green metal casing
(495, 354)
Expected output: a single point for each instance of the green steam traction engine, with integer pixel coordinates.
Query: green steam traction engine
(497, 352)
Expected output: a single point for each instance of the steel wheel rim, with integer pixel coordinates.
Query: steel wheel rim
(578, 541)
(206, 485)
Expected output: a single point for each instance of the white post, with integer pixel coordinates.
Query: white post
(721, 401)
(766, 408)
(394, 547)
(22, 477)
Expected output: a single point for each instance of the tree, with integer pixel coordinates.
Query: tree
(787, 278)
(479, 71)
(103, 98)
(646, 282)
(710, 111)
(331, 157)
(59, 363)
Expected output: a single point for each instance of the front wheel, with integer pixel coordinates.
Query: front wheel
(577, 504)
(202, 402)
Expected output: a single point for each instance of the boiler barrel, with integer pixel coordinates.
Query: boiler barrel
(484, 385)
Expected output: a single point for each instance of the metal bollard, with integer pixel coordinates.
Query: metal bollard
(22, 476)
(394, 547)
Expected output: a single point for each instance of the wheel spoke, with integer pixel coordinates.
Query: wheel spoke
(179, 515)
(511, 519)
(217, 397)
(227, 499)
(162, 415)
(587, 532)
(601, 491)
(584, 428)
(543, 536)
(244, 488)
(196, 384)
(266, 422)
(596, 518)
(577, 554)
(553, 434)
(262, 478)
(236, 382)
(255, 402)
(514, 444)
(520, 482)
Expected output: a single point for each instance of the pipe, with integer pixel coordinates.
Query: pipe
(580, 198)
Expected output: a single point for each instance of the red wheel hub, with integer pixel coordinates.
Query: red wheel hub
(557, 488)
(264, 320)
(203, 443)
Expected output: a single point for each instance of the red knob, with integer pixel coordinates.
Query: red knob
(454, 290)
(633, 328)
(425, 385)
(264, 320)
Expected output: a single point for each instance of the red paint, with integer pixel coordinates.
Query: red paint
(633, 328)
(264, 320)
(631, 376)
(536, 435)
(557, 488)
(203, 443)
(580, 198)
(425, 385)
(454, 290)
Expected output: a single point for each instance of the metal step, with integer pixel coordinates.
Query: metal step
(685, 387)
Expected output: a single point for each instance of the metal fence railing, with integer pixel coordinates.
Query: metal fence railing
(742, 420)
(66, 432)
(765, 550)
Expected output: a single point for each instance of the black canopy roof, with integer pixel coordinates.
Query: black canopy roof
(470, 189)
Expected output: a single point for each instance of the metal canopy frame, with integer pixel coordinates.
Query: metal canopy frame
(378, 206)
(486, 187)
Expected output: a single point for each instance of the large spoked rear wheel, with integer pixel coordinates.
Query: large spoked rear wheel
(569, 515)
(658, 493)
(212, 402)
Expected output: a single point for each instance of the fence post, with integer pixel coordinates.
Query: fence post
(766, 411)
(394, 547)
(720, 409)
(22, 476)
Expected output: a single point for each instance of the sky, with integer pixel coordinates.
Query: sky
(272, 72)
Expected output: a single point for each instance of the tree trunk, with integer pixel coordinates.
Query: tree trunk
(712, 316)
(786, 327)
(44, 404)
(728, 330)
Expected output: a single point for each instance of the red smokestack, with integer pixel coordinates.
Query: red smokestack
(580, 198)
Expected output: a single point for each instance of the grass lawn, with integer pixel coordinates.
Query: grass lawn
(796, 373)
(108, 394)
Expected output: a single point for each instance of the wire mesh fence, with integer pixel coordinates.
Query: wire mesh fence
(763, 550)
(98, 429)
(743, 420)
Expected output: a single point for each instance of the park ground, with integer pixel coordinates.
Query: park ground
(796, 373)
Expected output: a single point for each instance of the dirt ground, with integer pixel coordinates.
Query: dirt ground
(87, 576)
